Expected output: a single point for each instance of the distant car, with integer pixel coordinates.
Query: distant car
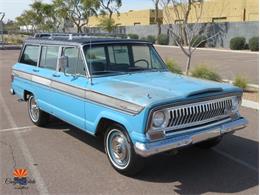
(121, 89)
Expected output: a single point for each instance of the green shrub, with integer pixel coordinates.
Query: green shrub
(143, 39)
(173, 66)
(151, 38)
(202, 71)
(238, 43)
(254, 44)
(241, 82)
(199, 41)
(178, 39)
(133, 36)
(163, 39)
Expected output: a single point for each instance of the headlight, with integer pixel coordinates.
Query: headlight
(235, 103)
(159, 119)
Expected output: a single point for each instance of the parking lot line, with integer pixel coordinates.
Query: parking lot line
(16, 129)
(40, 185)
(241, 162)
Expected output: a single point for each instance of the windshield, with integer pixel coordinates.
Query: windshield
(122, 58)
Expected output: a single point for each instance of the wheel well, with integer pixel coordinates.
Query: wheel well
(26, 95)
(103, 124)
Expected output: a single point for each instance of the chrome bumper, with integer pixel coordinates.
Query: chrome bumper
(148, 149)
(12, 91)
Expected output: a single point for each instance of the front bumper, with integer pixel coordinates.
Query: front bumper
(148, 149)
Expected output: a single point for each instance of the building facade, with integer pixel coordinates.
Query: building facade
(214, 11)
(130, 18)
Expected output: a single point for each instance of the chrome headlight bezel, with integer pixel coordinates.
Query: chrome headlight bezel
(160, 119)
(236, 103)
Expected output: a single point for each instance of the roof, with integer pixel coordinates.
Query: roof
(80, 40)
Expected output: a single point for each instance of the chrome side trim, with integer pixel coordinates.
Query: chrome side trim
(68, 89)
(151, 148)
(103, 99)
(22, 75)
(41, 80)
(113, 102)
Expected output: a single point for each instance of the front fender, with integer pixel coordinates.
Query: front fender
(133, 127)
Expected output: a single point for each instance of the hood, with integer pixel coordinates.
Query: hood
(152, 87)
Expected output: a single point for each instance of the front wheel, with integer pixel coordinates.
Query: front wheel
(120, 152)
(37, 116)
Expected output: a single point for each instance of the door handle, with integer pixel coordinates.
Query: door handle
(35, 70)
(56, 75)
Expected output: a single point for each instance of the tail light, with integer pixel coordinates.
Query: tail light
(12, 77)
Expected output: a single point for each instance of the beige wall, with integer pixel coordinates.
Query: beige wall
(139, 17)
(218, 10)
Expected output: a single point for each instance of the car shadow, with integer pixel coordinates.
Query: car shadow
(194, 170)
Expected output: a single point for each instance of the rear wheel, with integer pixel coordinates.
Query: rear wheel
(120, 151)
(209, 143)
(37, 116)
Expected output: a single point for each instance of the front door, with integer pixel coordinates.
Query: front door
(69, 88)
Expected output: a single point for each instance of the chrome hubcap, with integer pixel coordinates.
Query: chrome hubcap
(34, 110)
(118, 148)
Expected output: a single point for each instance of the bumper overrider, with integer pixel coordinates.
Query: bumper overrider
(148, 149)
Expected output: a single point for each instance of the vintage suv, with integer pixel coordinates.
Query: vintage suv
(121, 89)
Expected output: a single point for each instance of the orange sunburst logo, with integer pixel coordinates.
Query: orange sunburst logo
(20, 173)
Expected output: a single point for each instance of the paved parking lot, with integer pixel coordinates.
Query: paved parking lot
(227, 64)
(62, 159)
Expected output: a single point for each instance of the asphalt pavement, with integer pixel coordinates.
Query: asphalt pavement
(63, 159)
(227, 64)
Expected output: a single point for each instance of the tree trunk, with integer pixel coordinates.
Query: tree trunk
(157, 20)
(188, 65)
(184, 35)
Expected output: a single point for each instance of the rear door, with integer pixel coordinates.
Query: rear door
(45, 71)
(69, 88)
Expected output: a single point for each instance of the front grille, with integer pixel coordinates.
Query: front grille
(199, 113)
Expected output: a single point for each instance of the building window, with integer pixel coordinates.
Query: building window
(219, 19)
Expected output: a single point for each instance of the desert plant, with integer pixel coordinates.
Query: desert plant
(163, 39)
(241, 82)
(199, 41)
(254, 44)
(133, 36)
(143, 38)
(151, 38)
(204, 72)
(238, 43)
(173, 66)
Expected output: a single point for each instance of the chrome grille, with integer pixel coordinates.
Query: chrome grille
(199, 113)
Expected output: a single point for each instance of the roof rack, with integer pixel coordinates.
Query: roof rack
(79, 35)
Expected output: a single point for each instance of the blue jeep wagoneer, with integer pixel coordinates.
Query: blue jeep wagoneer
(121, 90)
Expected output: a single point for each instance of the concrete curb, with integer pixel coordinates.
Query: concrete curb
(250, 104)
(212, 49)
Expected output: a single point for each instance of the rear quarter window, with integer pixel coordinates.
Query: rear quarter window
(30, 55)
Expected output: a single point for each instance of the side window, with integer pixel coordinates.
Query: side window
(76, 64)
(49, 57)
(30, 55)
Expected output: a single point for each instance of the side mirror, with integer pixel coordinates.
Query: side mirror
(63, 63)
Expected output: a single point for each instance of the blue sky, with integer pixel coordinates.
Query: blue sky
(14, 8)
